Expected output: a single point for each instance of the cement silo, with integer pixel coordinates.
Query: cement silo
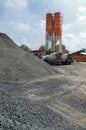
(54, 31)
(49, 29)
(57, 30)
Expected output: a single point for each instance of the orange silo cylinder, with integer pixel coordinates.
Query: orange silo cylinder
(57, 24)
(49, 24)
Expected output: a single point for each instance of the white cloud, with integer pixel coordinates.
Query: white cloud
(42, 25)
(82, 18)
(83, 35)
(82, 10)
(75, 42)
(15, 3)
(70, 36)
(66, 27)
(23, 27)
(81, 15)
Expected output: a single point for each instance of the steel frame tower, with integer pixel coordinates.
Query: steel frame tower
(54, 31)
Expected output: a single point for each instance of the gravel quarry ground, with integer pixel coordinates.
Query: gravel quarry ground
(37, 96)
(55, 102)
(63, 93)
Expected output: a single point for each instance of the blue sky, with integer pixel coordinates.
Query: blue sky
(24, 21)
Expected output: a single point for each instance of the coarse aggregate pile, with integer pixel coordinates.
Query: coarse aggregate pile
(32, 100)
(17, 65)
(17, 113)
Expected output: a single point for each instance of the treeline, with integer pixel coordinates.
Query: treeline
(79, 51)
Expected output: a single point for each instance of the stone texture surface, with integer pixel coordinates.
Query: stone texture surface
(36, 96)
(19, 113)
(17, 65)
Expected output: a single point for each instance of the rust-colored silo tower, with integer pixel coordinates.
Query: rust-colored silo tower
(57, 31)
(54, 30)
(57, 24)
(49, 29)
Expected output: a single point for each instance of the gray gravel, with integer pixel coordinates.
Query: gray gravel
(17, 65)
(18, 113)
(36, 96)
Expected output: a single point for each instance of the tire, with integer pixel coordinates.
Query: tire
(68, 62)
(62, 63)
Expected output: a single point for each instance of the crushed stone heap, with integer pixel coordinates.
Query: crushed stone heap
(18, 65)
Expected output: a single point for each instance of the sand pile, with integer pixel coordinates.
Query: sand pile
(17, 65)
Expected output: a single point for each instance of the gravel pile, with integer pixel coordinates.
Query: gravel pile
(38, 103)
(18, 113)
(17, 65)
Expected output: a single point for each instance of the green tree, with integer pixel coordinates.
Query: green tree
(79, 51)
(82, 50)
(63, 47)
(25, 47)
(42, 47)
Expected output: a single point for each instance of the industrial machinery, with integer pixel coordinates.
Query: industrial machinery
(53, 37)
(55, 59)
(54, 40)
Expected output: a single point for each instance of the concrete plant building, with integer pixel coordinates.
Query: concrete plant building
(53, 36)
